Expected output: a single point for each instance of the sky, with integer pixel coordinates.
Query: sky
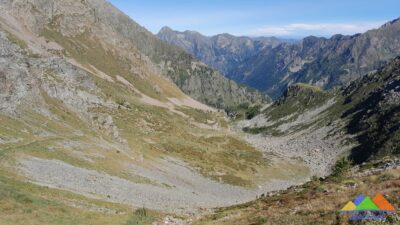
(279, 18)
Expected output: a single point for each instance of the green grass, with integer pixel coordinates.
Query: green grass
(172, 133)
(297, 100)
(25, 203)
(198, 115)
(308, 86)
(150, 131)
(243, 111)
(87, 50)
(341, 168)
(140, 217)
(316, 202)
(15, 40)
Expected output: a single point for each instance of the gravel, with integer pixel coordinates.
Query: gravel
(314, 146)
(184, 189)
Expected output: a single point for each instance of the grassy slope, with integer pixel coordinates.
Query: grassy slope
(298, 99)
(375, 124)
(25, 203)
(150, 131)
(316, 202)
(363, 105)
(172, 134)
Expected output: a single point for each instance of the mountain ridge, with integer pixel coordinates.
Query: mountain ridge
(83, 109)
(186, 72)
(98, 127)
(218, 51)
(366, 112)
(326, 62)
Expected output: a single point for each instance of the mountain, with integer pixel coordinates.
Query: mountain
(366, 114)
(324, 62)
(223, 52)
(374, 116)
(358, 123)
(193, 77)
(320, 61)
(302, 204)
(98, 127)
(93, 123)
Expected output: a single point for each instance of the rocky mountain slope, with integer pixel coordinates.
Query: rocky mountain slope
(223, 52)
(318, 201)
(363, 117)
(375, 113)
(319, 61)
(97, 18)
(92, 124)
(194, 78)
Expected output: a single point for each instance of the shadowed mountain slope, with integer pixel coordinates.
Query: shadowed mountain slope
(320, 61)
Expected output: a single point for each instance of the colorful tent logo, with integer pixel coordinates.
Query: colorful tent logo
(366, 208)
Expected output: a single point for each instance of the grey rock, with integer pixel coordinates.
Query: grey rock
(270, 66)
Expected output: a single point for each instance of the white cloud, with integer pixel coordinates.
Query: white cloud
(319, 29)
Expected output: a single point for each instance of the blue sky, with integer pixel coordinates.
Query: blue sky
(281, 18)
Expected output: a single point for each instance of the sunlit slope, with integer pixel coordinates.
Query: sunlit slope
(86, 112)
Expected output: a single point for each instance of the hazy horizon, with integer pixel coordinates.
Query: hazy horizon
(286, 19)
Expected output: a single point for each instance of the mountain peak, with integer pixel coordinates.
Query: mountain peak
(390, 23)
(224, 52)
(165, 29)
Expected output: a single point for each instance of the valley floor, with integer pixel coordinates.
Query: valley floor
(178, 188)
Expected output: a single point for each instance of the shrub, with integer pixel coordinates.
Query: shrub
(342, 167)
(252, 112)
(140, 217)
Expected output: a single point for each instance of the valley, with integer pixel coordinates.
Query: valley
(102, 122)
(271, 65)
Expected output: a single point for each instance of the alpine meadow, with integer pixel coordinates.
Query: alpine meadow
(292, 119)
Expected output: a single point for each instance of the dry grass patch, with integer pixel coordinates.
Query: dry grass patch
(309, 204)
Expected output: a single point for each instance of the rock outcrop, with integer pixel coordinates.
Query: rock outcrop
(273, 66)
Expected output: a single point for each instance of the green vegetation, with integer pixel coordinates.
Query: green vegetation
(88, 50)
(373, 117)
(342, 167)
(364, 105)
(252, 112)
(298, 99)
(243, 111)
(15, 40)
(316, 202)
(140, 217)
(25, 203)
(172, 137)
(375, 122)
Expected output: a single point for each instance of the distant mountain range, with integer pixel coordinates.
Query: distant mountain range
(88, 92)
(224, 52)
(99, 117)
(270, 64)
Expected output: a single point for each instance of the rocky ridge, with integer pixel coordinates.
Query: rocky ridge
(87, 93)
(223, 52)
(325, 62)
